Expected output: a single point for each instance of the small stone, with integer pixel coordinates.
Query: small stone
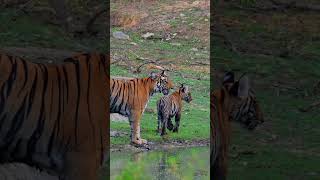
(175, 44)
(147, 35)
(120, 35)
(133, 43)
(194, 49)
(182, 15)
(206, 19)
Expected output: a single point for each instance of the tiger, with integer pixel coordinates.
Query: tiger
(235, 101)
(54, 116)
(129, 97)
(171, 106)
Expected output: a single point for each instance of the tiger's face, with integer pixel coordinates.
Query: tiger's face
(241, 102)
(185, 93)
(163, 84)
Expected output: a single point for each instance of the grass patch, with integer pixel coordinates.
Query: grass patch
(23, 31)
(286, 145)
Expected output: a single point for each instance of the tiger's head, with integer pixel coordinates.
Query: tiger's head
(185, 93)
(163, 83)
(240, 101)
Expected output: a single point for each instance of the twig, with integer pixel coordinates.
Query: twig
(284, 86)
(313, 105)
(148, 62)
(199, 63)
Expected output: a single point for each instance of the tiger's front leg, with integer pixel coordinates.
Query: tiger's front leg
(135, 119)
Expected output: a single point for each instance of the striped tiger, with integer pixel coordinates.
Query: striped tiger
(171, 106)
(129, 97)
(54, 116)
(235, 101)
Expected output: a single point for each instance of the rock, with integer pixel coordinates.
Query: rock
(150, 111)
(147, 35)
(118, 118)
(118, 133)
(120, 35)
(194, 49)
(244, 163)
(175, 44)
(114, 133)
(182, 15)
(133, 43)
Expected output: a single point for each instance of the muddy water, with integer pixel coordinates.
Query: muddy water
(169, 164)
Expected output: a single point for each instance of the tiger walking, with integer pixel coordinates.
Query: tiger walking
(129, 97)
(171, 106)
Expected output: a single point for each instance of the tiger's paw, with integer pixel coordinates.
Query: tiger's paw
(143, 141)
(139, 141)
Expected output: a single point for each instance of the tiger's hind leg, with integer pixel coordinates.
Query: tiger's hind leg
(160, 120)
(164, 125)
(169, 124)
(177, 120)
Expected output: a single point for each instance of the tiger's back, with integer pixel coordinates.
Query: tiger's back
(50, 115)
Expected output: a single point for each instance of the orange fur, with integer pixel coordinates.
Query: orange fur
(55, 116)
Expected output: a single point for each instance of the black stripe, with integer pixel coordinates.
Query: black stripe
(26, 72)
(77, 68)
(32, 92)
(12, 77)
(66, 80)
(16, 123)
(88, 98)
(39, 129)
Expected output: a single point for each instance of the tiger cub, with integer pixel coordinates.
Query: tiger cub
(170, 106)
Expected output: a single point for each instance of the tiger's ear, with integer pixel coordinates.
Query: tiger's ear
(185, 89)
(243, 89)
(228, 78)
(163, 73)
(153, 75)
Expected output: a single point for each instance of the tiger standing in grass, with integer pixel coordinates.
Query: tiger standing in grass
(129, 97)
(235, 101)
(171, 106)
(54, 116)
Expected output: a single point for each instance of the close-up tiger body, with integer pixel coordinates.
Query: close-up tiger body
(129, 97)
(54, 116)
(234, 101)
(171, 106)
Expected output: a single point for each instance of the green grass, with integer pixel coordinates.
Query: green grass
(295, 151)
(20, 30)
